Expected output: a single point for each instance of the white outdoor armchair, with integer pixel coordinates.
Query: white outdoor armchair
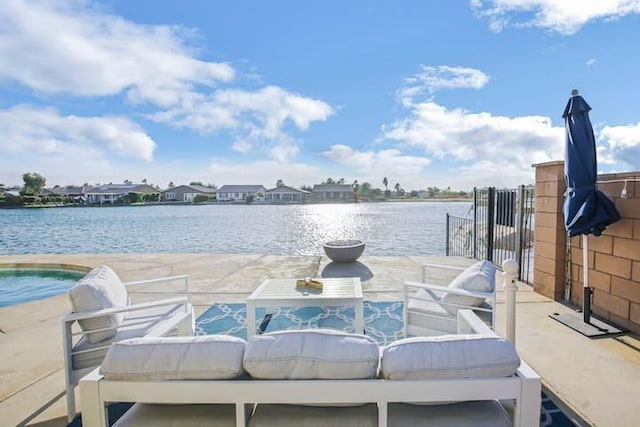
(102, 313)
(431, 309)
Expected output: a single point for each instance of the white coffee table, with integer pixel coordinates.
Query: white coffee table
(274, 293)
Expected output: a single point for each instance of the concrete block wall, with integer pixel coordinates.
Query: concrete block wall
(549, 235)
(613, 257)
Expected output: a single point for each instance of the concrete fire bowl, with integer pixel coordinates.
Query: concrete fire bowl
(344, 250)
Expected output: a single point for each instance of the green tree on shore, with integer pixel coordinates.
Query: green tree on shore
(33, 184)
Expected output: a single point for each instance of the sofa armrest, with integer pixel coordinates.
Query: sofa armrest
(455, 291)
(73, 317)
(427, 266)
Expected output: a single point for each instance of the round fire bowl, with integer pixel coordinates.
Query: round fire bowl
(344, 250)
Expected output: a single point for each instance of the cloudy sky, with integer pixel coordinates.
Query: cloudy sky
(427, 93)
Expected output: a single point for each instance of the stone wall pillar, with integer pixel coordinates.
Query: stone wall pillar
(549, 277)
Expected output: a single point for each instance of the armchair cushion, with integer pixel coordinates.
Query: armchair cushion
(207, 357)
(480, 276)
(101, 288)
(311, 354)
(449, 356)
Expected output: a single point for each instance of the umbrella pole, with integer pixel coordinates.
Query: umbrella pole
(586, 290)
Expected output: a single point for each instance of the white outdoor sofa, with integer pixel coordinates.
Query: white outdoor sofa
(217, 381)
(103, 313)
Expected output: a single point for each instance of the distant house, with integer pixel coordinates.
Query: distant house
(71, 192)
(285, 194)
(111, 193)
(186, 193)
(228, 193)
(332, 192)
(10, 192)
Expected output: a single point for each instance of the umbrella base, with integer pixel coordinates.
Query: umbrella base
(593, 329)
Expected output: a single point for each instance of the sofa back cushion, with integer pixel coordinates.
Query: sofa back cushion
(480, 276)
(100, 288)
(311, 354)
(205, 357)
(449, 356)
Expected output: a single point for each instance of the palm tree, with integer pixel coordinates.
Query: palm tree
(397, 187)
(385, 182)
(280, 183)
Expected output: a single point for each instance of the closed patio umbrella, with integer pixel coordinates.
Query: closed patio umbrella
(587, 210)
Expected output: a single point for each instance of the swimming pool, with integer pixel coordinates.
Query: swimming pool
(19, 285)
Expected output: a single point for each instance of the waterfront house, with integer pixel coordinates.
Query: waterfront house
(187, 193)
(230, 193)
(286, 194)
(113, 193)
(72, 192)
(332, 192)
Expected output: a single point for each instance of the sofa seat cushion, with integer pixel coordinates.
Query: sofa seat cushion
(143, 415)
(206, 357)
(101, 288)
(136, 324)
(426, 301)
(480, 276)
(311, 354)
(449, 356)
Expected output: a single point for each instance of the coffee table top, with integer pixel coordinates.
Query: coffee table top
(285, 289)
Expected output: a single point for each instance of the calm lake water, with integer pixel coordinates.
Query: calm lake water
(386, 228)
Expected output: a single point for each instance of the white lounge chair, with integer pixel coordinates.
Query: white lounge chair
(431, 309)
(103, 313)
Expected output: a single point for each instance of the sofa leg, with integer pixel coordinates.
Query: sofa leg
(71, 402)
(241, 414)
(383, 414)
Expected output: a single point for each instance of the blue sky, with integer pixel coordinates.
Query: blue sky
(427, 93)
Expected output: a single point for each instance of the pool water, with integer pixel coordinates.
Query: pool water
(23, 285)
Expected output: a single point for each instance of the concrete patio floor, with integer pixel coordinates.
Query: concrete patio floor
(599, 380)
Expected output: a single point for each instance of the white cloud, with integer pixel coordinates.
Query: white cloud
(75, 50)
(562, 16)
(464, 135)
(371, 166)
(431, 79)
(621, 145)
(27, 129)
(268, 110)
(590, 62)
(483, 144)
(69, 48)
(265, 172)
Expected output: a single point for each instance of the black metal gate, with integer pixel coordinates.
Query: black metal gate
(501, 227)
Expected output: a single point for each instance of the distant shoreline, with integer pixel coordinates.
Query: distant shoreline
(453, 199)
(260, 203)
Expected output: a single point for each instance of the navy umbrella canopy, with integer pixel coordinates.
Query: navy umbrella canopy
(587, 210)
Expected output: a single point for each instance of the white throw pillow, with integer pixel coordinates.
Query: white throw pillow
(100, 288)
(480, 276)
(449, 356)
(205, 357)
(311, 354)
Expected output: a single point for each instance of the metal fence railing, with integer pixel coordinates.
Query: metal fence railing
(501, 228)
